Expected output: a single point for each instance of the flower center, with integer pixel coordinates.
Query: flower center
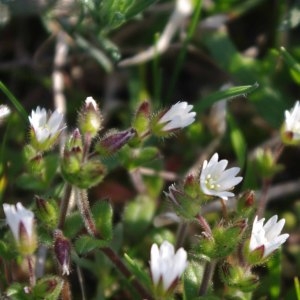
(211, 182)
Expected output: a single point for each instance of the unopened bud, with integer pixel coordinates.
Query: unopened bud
(47, 211)
(238, 278)
(266, 163)
(191, 186)
(62, 250)
(90, 118)
(142, 118)
(114, 141)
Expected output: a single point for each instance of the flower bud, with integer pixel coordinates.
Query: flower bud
(238, 277)
(114, 141)
(47, 211)
(141, 119)
(169, 121)
(265, 163)
(34, 161)
(191, 186)
(62, 250)
(73, 153)
(90, 118)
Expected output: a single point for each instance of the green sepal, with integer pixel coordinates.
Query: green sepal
(86, 243)
(103, 216)
(90, 174)
(48, 288)
(47, 212)
(238, 278)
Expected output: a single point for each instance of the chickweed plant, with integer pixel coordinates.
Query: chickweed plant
(165, 196)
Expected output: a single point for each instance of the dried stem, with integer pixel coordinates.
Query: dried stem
(31, 271)
(181, 234)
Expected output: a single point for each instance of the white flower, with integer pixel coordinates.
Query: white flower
(215, 180)
(292, 122)
(267, 236)
(46, 127)
(166, 265)
(21, 223)
(4, 112)
(178, 116)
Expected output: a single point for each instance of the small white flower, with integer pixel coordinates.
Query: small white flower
(17, 216)
(4, 112)
(166, 265)
(178, 116)
(90, 101)
(45, 126)
(292, 121)
(267, 236)
(215, 180)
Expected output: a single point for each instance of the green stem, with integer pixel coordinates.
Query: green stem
(207, 276)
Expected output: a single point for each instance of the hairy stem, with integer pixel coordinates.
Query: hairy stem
(64, 206)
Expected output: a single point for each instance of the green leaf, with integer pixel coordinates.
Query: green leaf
(14, 101)
(192, 279)
(85, 244)
(228, 94)
(237, 140)
(297, 287)
(137, 7)
(135, 268)
(103, 214)
(138, 217)
(73, 225)
(5, 251)
(292, 63)
(133, 158)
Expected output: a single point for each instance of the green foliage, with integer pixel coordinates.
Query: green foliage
(103, 215)
(192, 279)
(86, 243)
(138, 215)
